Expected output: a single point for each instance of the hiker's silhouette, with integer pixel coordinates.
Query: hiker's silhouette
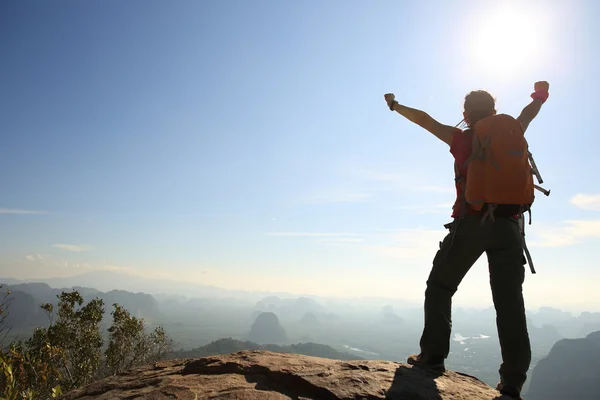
(494, 185)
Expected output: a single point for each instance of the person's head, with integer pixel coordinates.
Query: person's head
(478, 105)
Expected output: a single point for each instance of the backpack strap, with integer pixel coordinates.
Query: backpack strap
(462, 200)
(534, 169)
(525, 249)
(489, 213)
(479, 151)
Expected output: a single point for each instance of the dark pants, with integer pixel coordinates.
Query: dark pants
(501, 240)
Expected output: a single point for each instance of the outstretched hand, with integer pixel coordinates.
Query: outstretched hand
(541, 85)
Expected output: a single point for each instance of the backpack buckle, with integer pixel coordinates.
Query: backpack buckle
(489, 213)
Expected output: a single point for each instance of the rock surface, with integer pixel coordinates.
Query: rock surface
(264, 375)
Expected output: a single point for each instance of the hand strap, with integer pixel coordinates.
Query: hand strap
(540, 95)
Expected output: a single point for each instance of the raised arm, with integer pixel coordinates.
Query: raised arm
(421, 118)
(530, 111)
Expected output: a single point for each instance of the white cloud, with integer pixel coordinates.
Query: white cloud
(442, 208)
(340, 241)
(73, 247)
(311, 234)
(551, 239)
(20, 211)
(324, 238)
(380, 176)
(589, 202)
(363, 184)
(341, 197)
(48, 263)
(117, 268)
(571, 232)
(411, 244)
(584, 228)
(436, 189)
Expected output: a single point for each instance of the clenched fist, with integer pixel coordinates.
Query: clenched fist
(541, 85)
(389, 99)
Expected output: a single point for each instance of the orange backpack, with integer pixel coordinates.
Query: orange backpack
(499, 172)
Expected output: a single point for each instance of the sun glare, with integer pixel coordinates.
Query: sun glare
(505, 41)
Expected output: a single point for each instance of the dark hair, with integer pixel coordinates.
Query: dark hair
(478, 105)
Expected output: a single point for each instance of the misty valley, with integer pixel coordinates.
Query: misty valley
(339, 329)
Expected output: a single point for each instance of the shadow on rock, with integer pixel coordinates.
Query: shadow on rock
(412, 383)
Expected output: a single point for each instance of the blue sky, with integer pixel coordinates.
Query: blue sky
(248, 145)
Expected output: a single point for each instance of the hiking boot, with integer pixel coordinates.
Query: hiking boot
(508, 390)
(435, 363)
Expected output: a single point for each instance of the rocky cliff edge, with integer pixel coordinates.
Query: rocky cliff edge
(264, 375)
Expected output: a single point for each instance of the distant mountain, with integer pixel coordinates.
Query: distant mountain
(544, 336)
(109, 280)
(140, 305)
(306, 304)
(267, 329)
(570, 371)
(550, 315)
(9, 281)
(294, 307)
(24, 312)
(590, 322)
(162, 289)
(255, 314)
(26, 298)
(387, 309)
(331, 317)
(392, 319)
(228, 345)
(198, 303)
(567, 325)
(389, 317)
(42, 292)
(310, 319)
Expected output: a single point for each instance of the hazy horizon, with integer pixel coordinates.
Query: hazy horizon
(105, 282)
(247, 146)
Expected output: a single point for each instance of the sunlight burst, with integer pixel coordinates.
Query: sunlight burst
(505, 41)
